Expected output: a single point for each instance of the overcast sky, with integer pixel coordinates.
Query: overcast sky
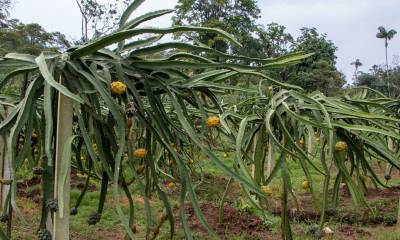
(350, 24)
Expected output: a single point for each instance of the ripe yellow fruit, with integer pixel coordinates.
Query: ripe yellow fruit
(118, 88)
(305, 184)
(225, 155)
(301, 141)
(270, 88)
(171, 185)
(191, 161)
(140, 153)
(213, 121)
(341, 146)
(267, 190)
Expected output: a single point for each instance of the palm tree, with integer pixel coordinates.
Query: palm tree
(357, 63)
(387, 35)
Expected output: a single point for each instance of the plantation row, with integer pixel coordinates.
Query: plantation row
(131, 111)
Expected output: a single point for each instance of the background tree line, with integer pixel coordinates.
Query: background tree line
(32, 38)
(381, 79)
(238, 17)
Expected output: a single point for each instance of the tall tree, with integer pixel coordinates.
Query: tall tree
(387, 36)
(357, 63)
(274, 40)
(319, 71)
(310, 40)
(322, 76)
(5, 6)
(234, 16)
(99, 18)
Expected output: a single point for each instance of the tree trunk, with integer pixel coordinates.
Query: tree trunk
(386, 55)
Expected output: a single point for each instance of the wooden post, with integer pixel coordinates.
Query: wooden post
(64, 131)
(4, 167)
(270, 156)
(5, 174)
(253, 167)
(5, 170)
(309, 145)
(3, 146)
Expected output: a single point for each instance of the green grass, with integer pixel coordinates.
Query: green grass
(388, 235)
(109, 220)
